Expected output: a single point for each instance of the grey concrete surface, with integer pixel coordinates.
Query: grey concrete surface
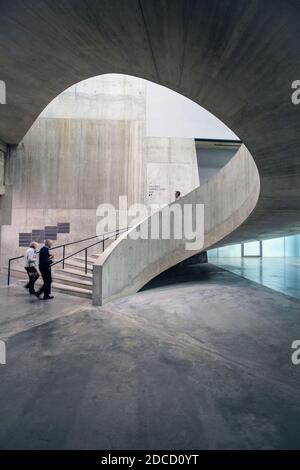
(21, 312)
(212, 156)
(201, 359)
(281, 274)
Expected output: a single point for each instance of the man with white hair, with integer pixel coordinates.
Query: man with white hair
(30, 265)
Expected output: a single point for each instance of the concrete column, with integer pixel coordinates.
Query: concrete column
(3, 150)
(5, 194)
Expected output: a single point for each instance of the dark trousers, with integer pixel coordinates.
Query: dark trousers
(47, 279)
(33, 277)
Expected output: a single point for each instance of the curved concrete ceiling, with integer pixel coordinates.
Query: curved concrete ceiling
(237, 58)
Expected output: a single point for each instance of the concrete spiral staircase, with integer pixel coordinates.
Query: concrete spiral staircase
(127, 264)
(228, 200)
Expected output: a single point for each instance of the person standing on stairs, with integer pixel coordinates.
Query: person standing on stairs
(177, 195)
(45, 262)
(30, 265)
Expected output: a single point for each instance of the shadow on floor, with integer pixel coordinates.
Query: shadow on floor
(184, 274)
(201, 362)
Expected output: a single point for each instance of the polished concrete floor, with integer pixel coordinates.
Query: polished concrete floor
(200, 359)
(281, 274)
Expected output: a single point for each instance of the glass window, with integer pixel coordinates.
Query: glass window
(230, 251)
(252, 249)
(212, 253)
(274, 247)
(292, 245)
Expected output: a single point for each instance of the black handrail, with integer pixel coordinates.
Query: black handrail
(115, 236)
(115, 233)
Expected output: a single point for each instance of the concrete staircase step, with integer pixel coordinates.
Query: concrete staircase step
(72, 281)
(63, 288)
(72, 290)
(18, 273)
(74, 273)
(78, 265)
(91, 256)
(91, 259)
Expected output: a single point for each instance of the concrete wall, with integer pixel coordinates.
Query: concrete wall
(5, 191)
(88, 147)
(171, 166)
(212, 156)
(2, 161)
(3, 152)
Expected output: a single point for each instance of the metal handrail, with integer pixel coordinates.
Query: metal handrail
(63, 246)
(117, 232)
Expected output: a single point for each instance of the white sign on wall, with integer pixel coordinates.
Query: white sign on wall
(2, 92)
(2, 353)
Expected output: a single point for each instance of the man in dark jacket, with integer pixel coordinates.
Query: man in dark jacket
(45, 261)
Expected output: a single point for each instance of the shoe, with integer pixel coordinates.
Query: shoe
(37, 294)
(32, 293)
(49, 297)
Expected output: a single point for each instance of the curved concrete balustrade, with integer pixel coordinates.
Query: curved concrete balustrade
(237, 58)
(228, 198)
